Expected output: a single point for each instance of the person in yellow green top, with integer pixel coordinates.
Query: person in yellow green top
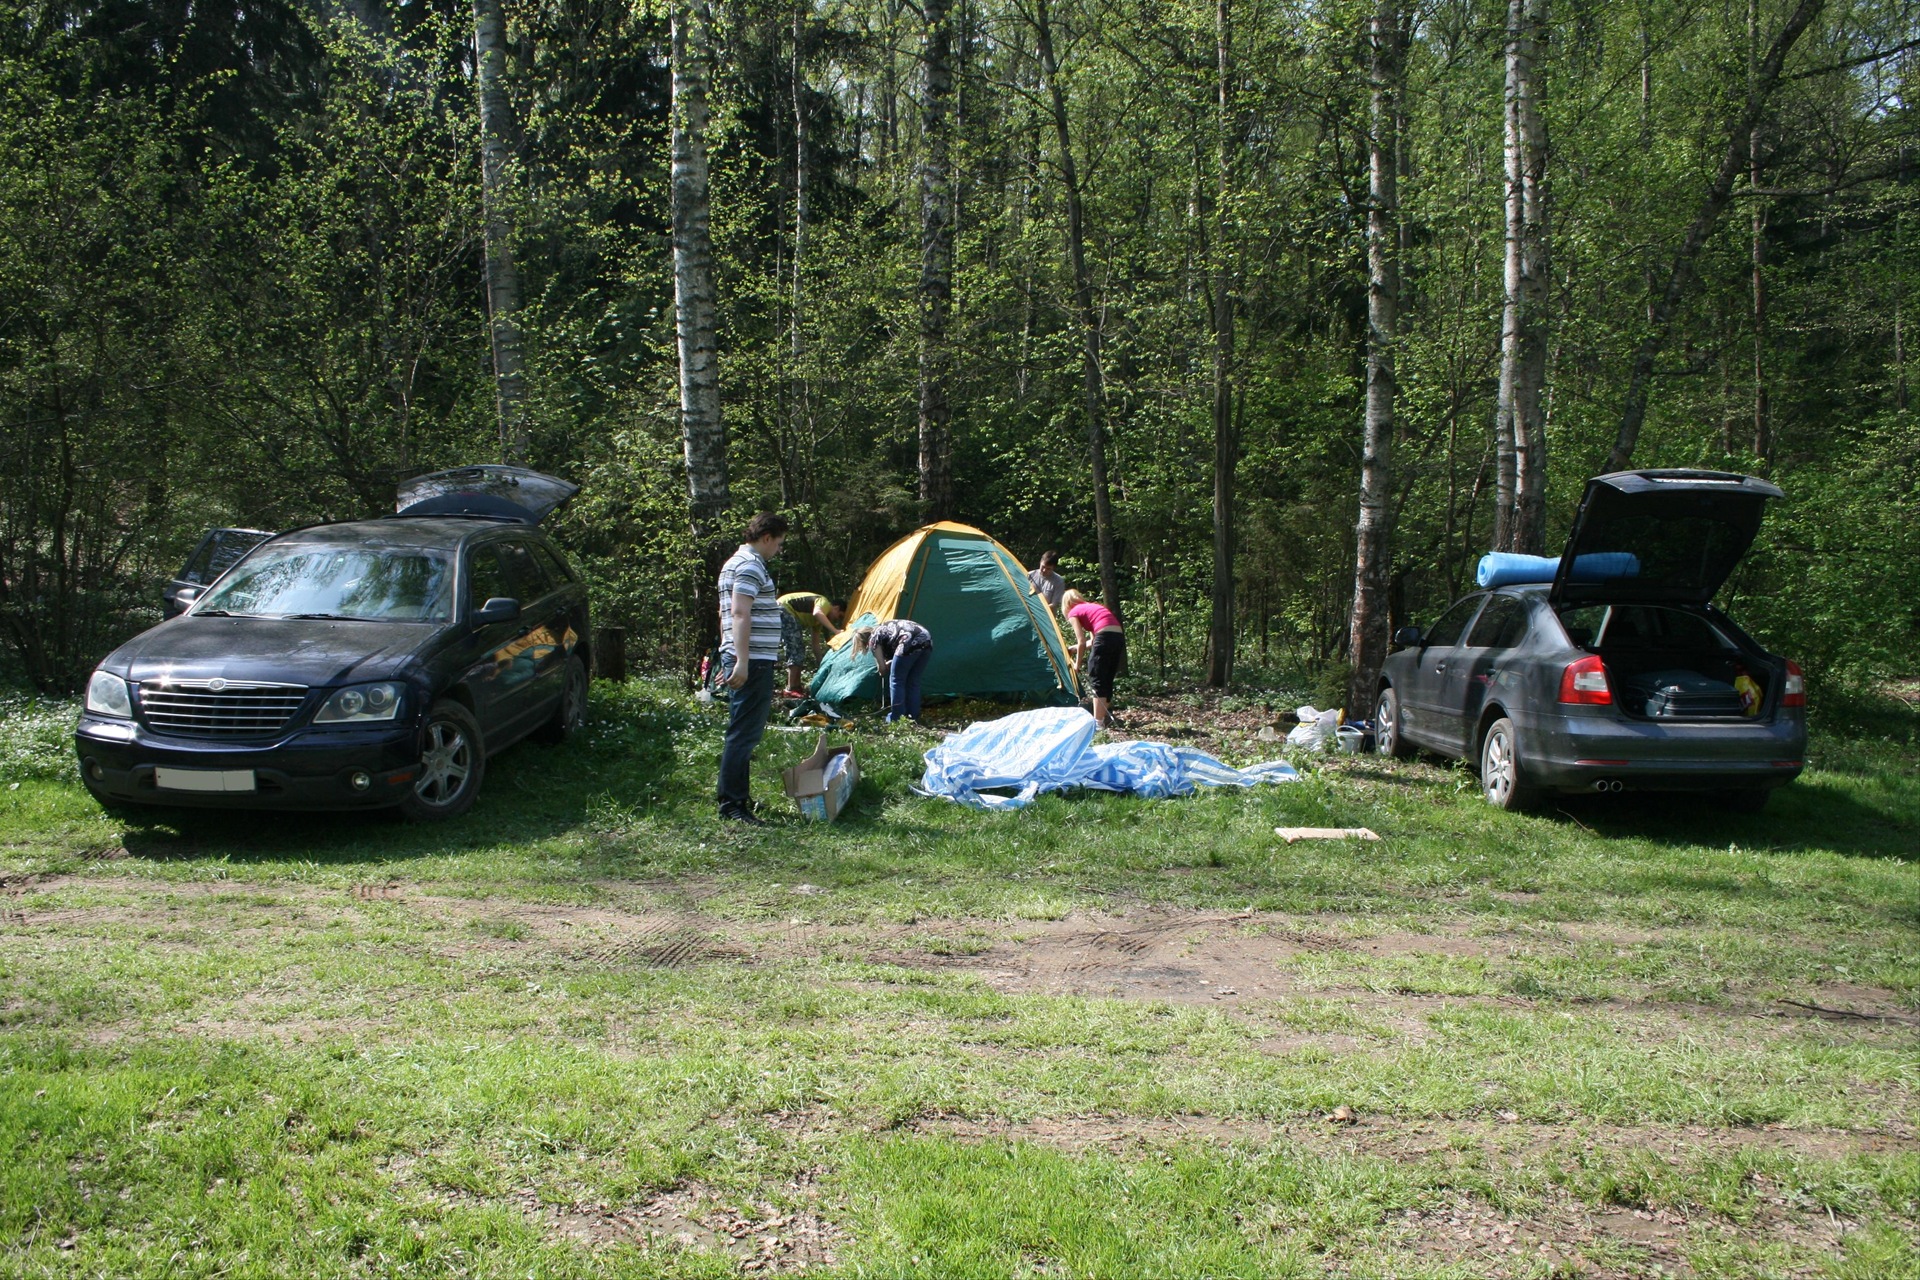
(801, 612)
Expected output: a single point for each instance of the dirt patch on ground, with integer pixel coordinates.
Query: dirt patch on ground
(1514, 1142)
(1556, 1231)
(753, 1234)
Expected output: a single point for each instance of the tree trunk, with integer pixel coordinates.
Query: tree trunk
(1367, 634)
(1521, 436)
(503, 277)
(1719, 193)
(1762, 414)
(703, 435)
(936, 264)
(1091, 391)
(799, 419)
(1226, 443)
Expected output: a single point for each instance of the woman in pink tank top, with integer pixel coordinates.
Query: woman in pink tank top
(1099, 644)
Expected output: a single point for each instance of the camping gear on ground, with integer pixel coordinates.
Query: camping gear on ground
(822, 784)
(993, 637)
(1348, 740)
(1316, 729)
(1507, 568)
(1052, 749)
(1667, 695)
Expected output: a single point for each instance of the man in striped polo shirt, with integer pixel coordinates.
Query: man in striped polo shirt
(749, 649)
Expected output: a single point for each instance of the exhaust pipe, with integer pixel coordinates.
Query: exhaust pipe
(1608, 786)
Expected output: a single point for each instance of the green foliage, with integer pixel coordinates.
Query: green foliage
(240, 282)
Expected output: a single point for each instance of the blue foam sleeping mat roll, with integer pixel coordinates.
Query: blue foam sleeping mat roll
(1506, 568)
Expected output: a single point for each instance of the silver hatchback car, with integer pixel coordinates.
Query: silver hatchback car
(1618, 673)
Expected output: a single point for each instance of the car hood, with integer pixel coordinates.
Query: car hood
(1667, 537)
(509, 493)
(272, 650)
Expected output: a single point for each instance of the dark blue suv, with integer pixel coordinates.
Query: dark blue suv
(1618, 673)
(357, 665)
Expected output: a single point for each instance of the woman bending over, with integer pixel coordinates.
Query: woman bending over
(900, 648)
(1099, 646)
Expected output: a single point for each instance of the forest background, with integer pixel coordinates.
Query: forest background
(1243, 302)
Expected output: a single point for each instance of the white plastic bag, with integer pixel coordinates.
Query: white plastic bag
(1315, 730)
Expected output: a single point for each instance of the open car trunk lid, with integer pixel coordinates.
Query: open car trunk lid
(500, 493)
(1666, 537)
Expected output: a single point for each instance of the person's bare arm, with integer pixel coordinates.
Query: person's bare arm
(740, 617)
(826, 622)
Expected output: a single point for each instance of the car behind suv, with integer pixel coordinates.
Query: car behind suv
(1618, 673)
(357, 665)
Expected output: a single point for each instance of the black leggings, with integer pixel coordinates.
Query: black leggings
(1108, 655)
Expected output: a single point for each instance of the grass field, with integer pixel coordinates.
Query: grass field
(587, 1031)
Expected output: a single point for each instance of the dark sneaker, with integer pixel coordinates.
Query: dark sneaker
(734, 813)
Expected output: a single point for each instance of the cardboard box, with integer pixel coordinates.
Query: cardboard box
(807, 782)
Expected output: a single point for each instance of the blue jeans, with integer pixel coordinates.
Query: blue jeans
(903, 684)
(747, 709)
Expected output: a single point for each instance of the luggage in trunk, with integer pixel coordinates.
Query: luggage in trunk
(1676, 694)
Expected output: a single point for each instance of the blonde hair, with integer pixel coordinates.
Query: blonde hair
(1071, 599)
(862, 637)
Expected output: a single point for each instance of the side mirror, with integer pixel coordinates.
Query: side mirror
(178, 598)
(1408, 638)
(496, 609)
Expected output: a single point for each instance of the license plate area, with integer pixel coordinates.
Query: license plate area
(203, 780)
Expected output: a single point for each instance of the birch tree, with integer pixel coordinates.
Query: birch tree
(503, 275)
(1521, 431)
(702, 433)
(1367, 633)
(936, 263)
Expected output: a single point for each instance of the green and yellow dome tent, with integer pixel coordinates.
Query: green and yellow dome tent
(993, 637)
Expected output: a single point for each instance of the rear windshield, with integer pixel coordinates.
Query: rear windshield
(1618, 628)
(333, 582)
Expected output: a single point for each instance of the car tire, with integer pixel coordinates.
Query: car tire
(1387, 738)
(453, 759)
(1502, 779)
(1746, 799)
(572, 711)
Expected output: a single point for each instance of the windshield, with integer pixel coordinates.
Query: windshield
(332, 582)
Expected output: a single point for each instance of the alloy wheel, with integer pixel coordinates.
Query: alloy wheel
(445, 764)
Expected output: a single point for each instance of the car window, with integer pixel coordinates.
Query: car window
(1584, 623)
(556, 568)
(1651, 627)
(1453, 622)
(202, 561)
(524, 574)
(217, 553)
(486, 579)
(343, 582)
(1501, 625)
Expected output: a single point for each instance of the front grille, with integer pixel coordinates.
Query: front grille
(195, 709)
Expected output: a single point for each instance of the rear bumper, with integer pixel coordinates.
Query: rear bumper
(1573, 752)
(308, 769)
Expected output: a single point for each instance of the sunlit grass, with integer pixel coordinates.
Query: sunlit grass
(338, 1045)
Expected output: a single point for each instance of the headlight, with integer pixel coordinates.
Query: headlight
(107, 696)
(361, 704)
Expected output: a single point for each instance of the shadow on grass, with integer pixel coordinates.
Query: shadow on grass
(1801, 818)
(530, 793)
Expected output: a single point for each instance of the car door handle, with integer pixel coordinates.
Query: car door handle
(1438, 667)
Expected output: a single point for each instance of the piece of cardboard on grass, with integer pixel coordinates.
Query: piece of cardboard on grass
(817, 796)
(1290, 834)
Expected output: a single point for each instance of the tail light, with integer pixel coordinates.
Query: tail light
(1793, 692)
(1585, 682)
